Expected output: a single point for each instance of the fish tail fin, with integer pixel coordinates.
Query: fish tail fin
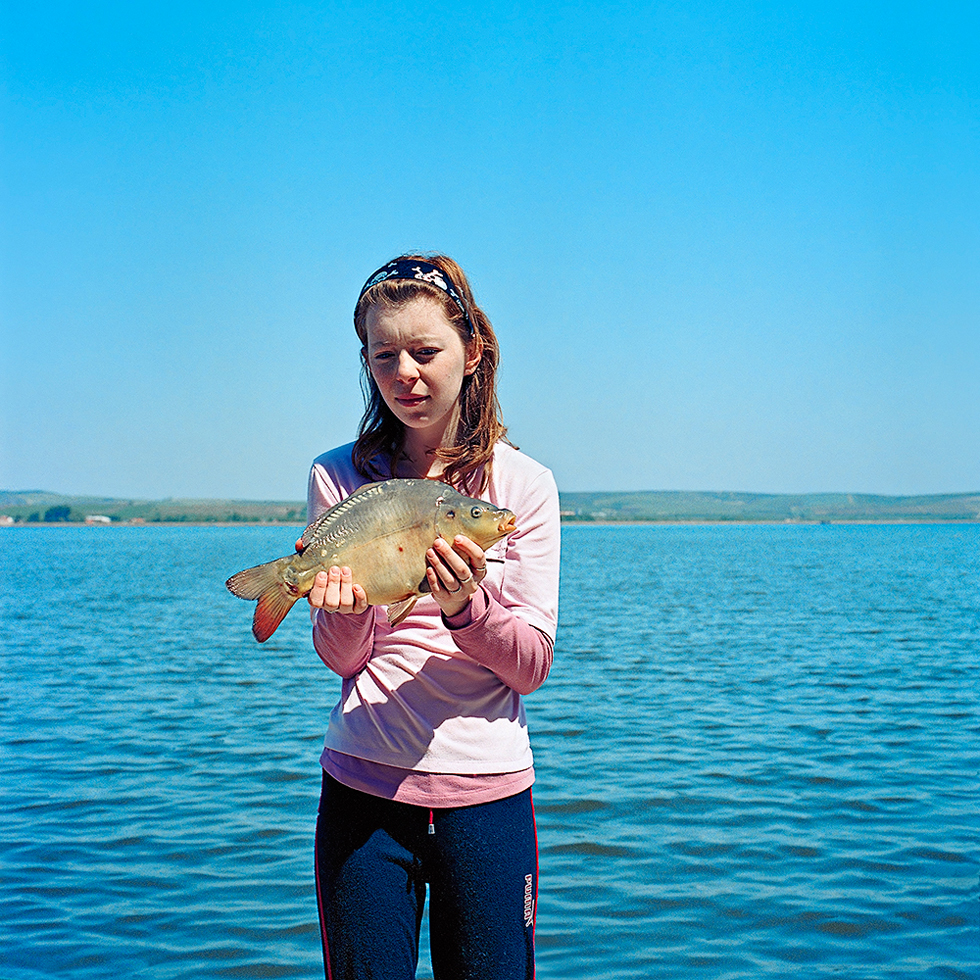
(265, 583)
(251, 583)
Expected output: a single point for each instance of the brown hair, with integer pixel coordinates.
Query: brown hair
(479, 427)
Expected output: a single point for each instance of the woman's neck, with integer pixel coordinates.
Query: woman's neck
(418, 456)
(419, 463)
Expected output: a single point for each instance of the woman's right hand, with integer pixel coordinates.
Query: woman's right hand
(335, 591)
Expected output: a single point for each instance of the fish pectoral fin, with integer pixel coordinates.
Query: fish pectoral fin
(273, 605)
(397, 611)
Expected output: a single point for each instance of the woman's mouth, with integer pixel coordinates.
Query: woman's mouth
(410, 401)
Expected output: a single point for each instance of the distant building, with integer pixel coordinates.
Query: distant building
(97, 519)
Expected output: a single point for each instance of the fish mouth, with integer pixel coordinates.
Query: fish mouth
(508, 524)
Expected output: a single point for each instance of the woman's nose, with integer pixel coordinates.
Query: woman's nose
(407, 368)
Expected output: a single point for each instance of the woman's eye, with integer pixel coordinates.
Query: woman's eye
(427, 352)
(476, 511)
(383, 355)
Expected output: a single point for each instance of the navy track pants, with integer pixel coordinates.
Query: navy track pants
(374, 858)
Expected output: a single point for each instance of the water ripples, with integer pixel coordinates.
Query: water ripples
(757, 755)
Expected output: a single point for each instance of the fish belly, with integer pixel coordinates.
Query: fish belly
(389, 568)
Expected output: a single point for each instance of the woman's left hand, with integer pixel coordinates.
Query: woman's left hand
(455, 572)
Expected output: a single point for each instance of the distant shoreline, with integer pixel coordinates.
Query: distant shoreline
(868, 522)
(36, 508)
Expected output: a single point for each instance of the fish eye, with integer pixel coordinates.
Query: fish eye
(450, 514)
(476, 511)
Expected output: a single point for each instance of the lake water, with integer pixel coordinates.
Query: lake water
(757, 755)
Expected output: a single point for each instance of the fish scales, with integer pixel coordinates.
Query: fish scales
(381, 531)
(380, 528)
(374, 525)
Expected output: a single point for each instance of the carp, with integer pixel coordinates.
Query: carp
(381, 532)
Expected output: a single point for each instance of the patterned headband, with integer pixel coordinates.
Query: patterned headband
(424, 271)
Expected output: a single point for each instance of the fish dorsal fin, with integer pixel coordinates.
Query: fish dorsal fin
(334, 512)
(397, 611)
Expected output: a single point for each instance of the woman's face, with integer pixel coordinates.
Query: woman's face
(418, 362)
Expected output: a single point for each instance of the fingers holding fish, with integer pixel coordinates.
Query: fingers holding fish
(335, 591)
(451, 572)
(318, 593)
(473, 555)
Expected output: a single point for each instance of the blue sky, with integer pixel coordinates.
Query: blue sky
(726, 246)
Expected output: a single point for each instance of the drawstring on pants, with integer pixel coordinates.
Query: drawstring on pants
(432, 826)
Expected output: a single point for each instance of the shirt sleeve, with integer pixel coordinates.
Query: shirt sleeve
(513, 634)
(343, 642)
(518, 653)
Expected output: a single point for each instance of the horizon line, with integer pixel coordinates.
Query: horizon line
(754, 493)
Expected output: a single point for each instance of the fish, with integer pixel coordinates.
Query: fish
(381, 532)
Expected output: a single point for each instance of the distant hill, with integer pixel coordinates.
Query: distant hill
(39, 506)
(670, 505)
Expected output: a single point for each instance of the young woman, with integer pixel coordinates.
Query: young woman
(427, 763)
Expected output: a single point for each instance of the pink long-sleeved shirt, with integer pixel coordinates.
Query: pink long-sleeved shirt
(431, 711)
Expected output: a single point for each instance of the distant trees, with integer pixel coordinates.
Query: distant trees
(83, 509)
